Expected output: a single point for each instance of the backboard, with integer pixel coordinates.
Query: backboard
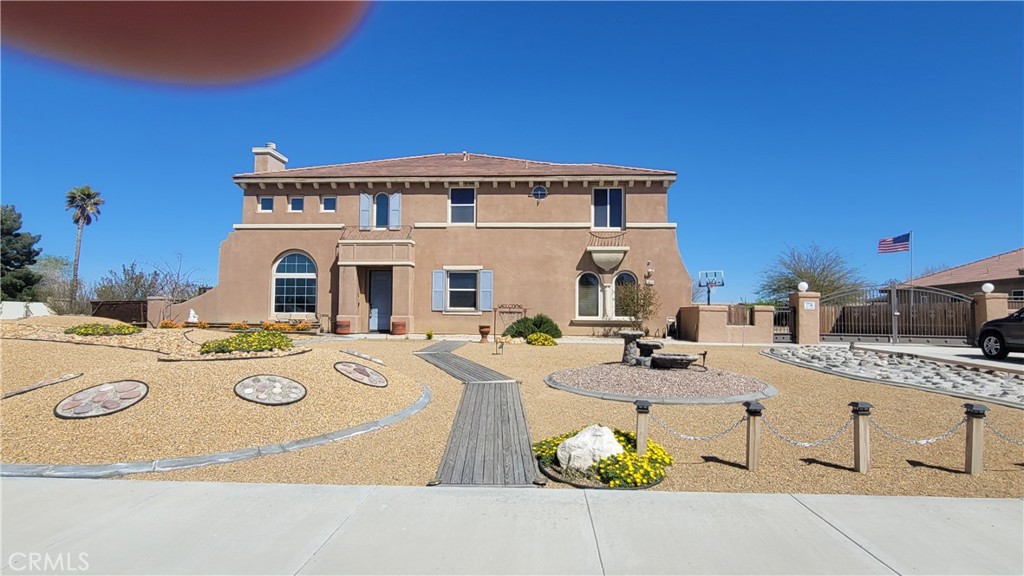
(711, 278)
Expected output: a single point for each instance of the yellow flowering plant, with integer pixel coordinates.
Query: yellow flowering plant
(103, 330)
(623, 470)
(540, 339)
(248, 342)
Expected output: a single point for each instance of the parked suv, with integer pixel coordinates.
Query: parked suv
(998, 338)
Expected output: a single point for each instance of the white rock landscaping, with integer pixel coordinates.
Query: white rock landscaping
(1002, 386)
(587, 447)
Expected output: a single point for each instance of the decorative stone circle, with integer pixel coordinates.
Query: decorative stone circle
(362, 374)
(101, 400)
(270, 390)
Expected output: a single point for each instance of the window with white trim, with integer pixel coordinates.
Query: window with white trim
(328, 203)
(295, 204)
(462, 289)
(622, 279)
(381, 210)
(462, 206)
(588, 296)
(265, 204)
(608, 206)
(295, 285)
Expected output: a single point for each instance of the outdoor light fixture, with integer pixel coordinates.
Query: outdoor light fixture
(987, 287)
(803, 286)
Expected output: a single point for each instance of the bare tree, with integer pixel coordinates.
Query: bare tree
(175, 281)
(825, 271)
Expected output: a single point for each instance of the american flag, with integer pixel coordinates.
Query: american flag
(899, 243)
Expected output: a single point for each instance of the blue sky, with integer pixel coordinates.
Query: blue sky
(788, 123)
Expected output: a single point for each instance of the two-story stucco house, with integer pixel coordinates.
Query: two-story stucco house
(438, 241)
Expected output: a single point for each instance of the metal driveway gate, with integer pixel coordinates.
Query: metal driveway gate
(897, 313)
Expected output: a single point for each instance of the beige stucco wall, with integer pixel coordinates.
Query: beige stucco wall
(536, 266)
(710, 323)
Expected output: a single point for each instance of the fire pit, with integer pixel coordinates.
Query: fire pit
(669, 361)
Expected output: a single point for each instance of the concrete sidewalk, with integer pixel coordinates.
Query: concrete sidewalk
(139, 527)
(962, 355)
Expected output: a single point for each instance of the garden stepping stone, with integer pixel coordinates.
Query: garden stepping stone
(270, 390)
(362, 374)
(101, 400)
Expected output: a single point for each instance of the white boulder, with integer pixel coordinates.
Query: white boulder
(587, 447)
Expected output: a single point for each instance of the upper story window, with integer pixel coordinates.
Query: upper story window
(328, 203)
(265, 204)
(608, 208)
(381, 210)
(462, 206)
(295, 204)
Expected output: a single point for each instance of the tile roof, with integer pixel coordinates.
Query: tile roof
(457, 166)
(999, 267)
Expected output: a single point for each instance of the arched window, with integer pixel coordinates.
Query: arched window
(381, 208)
(588, 296)
(295, 285)
(623, 279)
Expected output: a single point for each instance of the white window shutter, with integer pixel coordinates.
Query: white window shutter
(486, 290)
(437, 291)
(364, 211)
(395, 217)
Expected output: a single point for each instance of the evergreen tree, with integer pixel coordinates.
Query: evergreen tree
(17, 252)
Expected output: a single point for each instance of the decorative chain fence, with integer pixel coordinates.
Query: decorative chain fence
(699, 438)
(860, 419)
(1003, 435)
(821, 442)
(898, 438)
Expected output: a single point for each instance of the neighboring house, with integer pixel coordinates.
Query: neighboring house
(438, 241)
(1004, 271)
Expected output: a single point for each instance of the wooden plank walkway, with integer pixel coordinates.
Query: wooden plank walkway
(489, 444)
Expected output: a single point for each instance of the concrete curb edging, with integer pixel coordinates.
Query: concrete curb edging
(897, 384)
(167, 465)
(768, 392)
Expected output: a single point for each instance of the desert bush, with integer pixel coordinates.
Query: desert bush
(102, 330)
(527, 325)
(540, 339)
(238, 326)
(170, 324)
(248, 342)
(430, 334)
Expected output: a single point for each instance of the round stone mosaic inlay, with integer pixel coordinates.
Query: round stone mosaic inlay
(101, 400)
(270, 390)
(362, 374)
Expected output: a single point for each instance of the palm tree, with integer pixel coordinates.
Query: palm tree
(86, 204)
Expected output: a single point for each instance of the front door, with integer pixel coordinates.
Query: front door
(380, 300)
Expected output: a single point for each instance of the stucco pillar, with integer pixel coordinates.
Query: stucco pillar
(402, 278)
(988, 307)
(348, 297)
(805, 306)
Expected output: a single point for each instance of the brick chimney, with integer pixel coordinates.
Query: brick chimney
(268, 159)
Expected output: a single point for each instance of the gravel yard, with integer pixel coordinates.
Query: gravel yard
(646, 383)
(191, 409)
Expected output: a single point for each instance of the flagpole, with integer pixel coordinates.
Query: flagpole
(910, 237)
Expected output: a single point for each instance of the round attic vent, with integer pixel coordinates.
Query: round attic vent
(539, 192)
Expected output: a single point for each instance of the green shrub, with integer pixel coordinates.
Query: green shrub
(430, 334)
(529, 325)
(540, 339)
(248, 342)
(102, 330)
(621, 470)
